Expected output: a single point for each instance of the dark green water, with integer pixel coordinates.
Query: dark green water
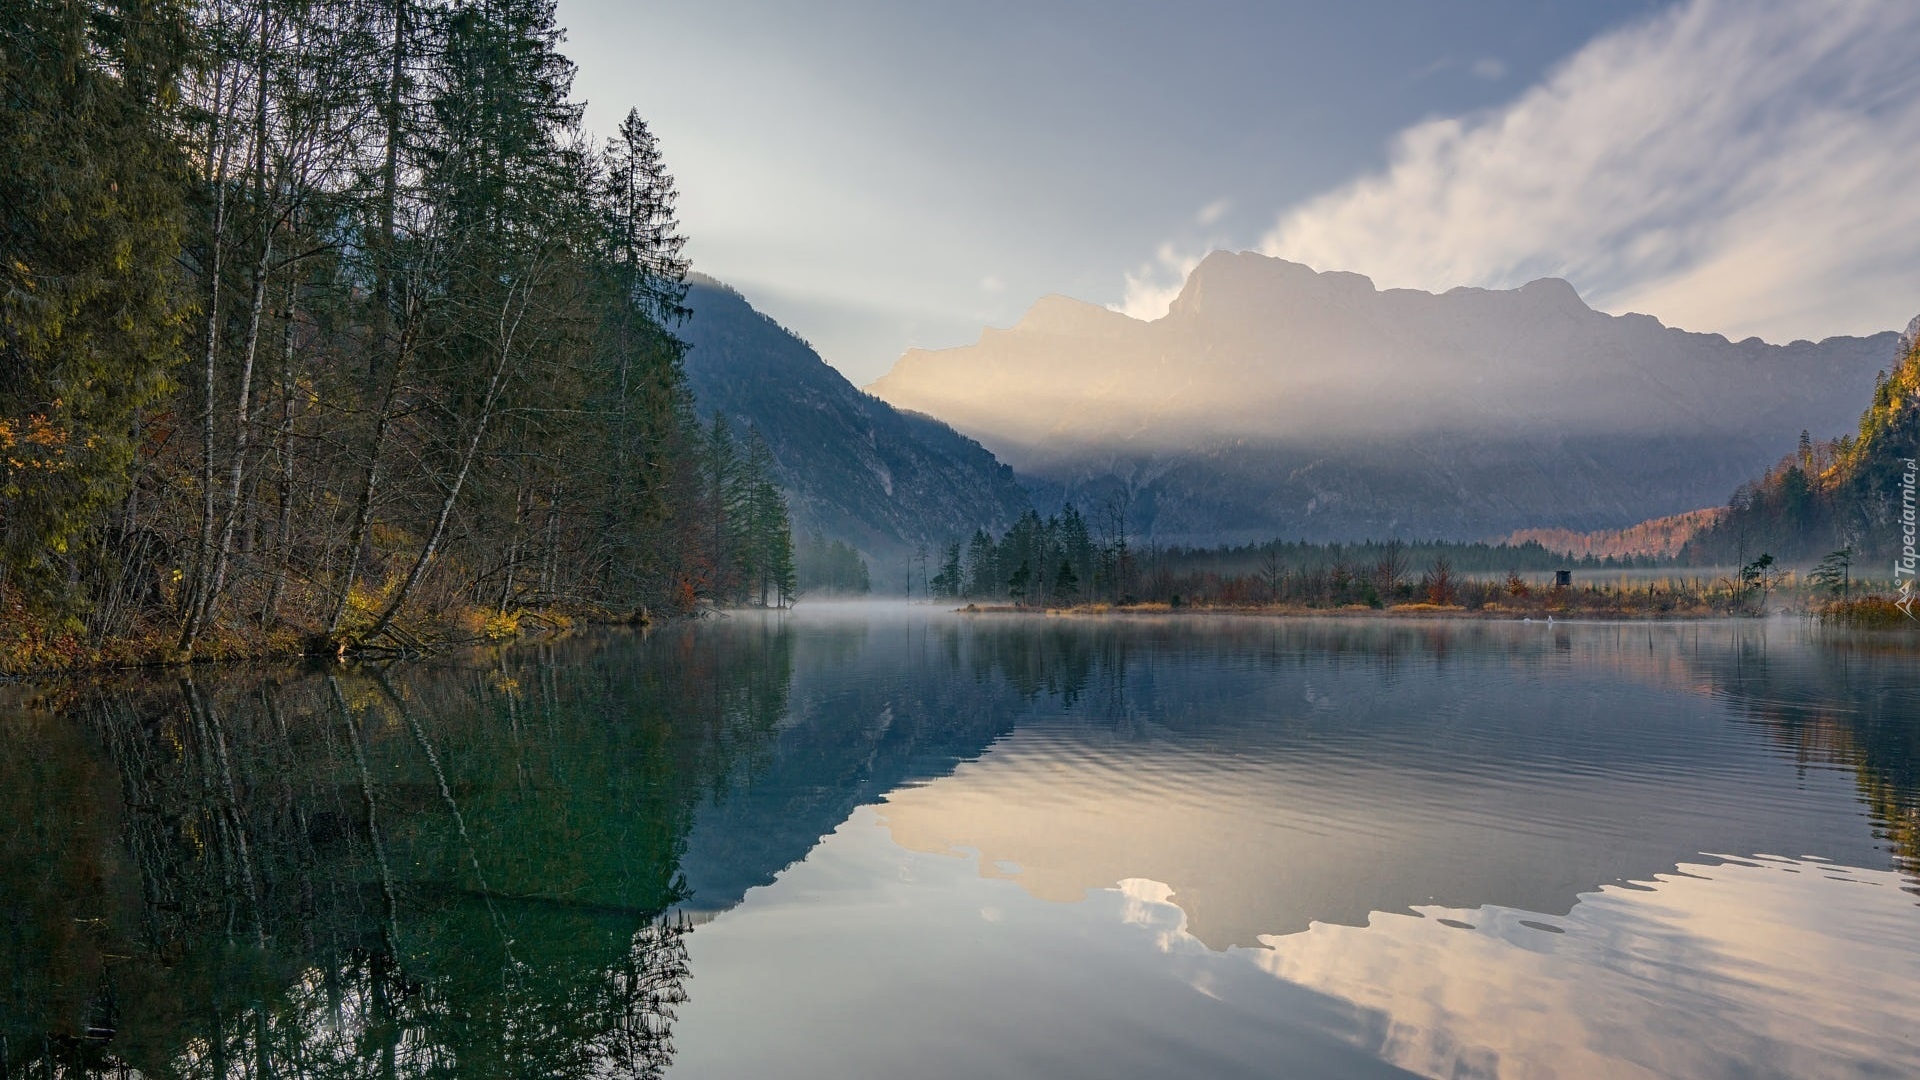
(891, 842)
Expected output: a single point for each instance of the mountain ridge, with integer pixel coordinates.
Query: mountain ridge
(854, 468)
(1312, 404)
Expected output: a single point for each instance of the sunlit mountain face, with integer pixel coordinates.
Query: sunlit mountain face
(1274, 400)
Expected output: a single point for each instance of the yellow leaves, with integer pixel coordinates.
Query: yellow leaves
(37, 443)
(42, 433)
(363, 600)
(502, 626)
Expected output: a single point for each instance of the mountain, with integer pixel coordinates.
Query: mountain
(854, 467)
(1854, 492)
(1661, 537)
(1275, 400)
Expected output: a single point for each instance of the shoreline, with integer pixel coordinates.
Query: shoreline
(1415, 612)
(115, 657)
(1420, 612)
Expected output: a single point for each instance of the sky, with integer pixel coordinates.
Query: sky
(884, 174)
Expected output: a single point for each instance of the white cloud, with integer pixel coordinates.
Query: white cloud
(1490, 68)
(1213, 212)
(1152, 287)
(1745, 166)
(992, 284)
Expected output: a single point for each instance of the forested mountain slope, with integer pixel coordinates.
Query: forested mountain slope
(1849, 492)
(855, 468)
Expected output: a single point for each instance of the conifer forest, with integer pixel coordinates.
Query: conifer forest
(327, 325)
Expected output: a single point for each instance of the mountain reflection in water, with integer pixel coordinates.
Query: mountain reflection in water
(879, 840)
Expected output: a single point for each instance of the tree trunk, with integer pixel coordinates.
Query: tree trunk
(283, 529)
(509, 326)
(242, 436)
(203, 556)
(513, 549)
(243, 425)
(370, 481)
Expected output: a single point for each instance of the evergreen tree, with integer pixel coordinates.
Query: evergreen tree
(432, 368)
(92, 196)
(947, 583)
(983, 577)
(767, 536)
(646, 237)
(833, 567)
(1066, 583)
(721, 481)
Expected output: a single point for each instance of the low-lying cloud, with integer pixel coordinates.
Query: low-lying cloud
(1152, 287)
(1745, 167)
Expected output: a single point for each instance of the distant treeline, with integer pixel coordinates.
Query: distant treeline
(832, 568)
(751, 554)
(1465, 557)
(1065, 559)
(323, 320)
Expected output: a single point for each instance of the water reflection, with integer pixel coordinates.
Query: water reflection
(494, 865)
(1281, 774)
(457, 869)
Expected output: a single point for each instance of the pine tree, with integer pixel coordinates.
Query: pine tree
(92, 314)
(640, 194)
(720, 496)
(432, 363)
(1066, 583)
(983, 577)
(947, 583)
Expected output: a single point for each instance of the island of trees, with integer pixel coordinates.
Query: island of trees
(326, 325)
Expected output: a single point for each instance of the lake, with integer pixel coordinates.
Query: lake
(881, 840)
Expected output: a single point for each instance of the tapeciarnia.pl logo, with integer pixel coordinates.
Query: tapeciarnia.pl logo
(1903, 567)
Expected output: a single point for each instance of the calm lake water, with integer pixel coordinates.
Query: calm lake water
(892, 842)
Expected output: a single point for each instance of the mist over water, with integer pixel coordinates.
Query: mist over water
(874, 839)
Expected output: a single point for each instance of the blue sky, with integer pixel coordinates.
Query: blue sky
(884, 174)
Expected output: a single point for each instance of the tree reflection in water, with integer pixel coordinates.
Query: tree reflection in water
(471, 867)
(1848, 703)
(467, 868)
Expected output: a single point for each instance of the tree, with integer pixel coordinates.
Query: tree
(983, 574)
(432, 367)
(1834, 573)
(1272, 572)
(1066, 584)
(947, 583)
(720, 480)
(766, 535)
(1441, 588)
(646, 236)
(1757, 575)
(831, 567)
(1390, 569)
(92, 312)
